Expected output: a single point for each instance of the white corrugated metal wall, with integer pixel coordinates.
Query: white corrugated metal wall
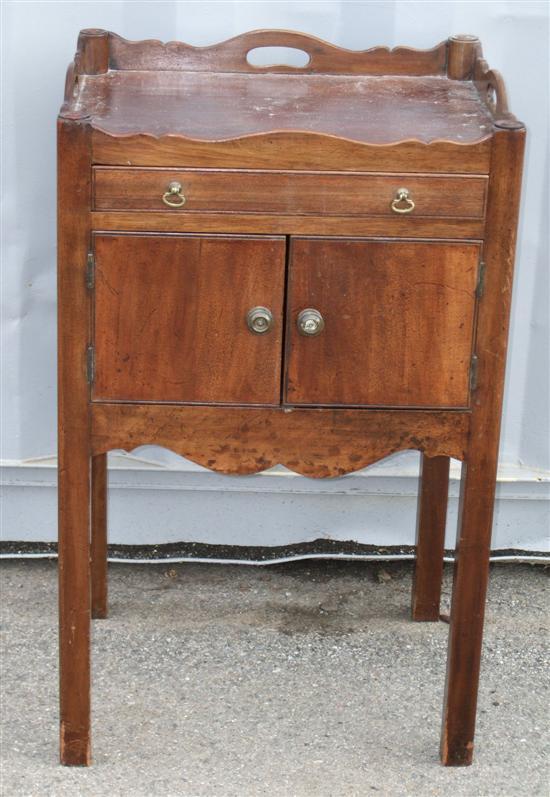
(158, 497)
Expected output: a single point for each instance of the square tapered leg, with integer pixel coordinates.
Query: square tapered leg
(74, 609)
(99, 536)
(430, 537)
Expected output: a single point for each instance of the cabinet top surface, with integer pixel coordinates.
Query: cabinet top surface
(377, 96)
(218, 106)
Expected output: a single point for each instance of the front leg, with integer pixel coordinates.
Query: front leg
(74, 603)
(471, 575)
(74, 174)
(479, 470)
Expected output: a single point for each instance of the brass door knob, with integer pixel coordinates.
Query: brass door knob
(173, 197)
(310, 322)
(259, 320)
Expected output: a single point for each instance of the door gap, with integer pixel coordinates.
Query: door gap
(285, 320)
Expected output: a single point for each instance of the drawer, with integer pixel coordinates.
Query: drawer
(314, 193)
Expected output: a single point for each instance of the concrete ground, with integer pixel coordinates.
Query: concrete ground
(292, 680)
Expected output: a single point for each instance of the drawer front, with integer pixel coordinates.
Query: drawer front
(386, 323)
(321, 193)
(170, 318)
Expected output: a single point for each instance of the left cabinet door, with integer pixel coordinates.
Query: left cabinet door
(170, 318)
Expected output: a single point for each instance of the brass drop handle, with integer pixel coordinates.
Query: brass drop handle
(402, 195)
(259, 320)
(173, 197)
(310, 322)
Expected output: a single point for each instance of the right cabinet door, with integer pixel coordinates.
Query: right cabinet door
(388, 323)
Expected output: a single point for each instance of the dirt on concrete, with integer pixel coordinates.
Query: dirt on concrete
(303, 679)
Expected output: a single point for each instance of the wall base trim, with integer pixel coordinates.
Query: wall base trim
(376, 506)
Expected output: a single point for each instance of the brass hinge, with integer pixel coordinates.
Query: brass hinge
(90, 364)
(90, 271)
(480, 287)
(473, 373)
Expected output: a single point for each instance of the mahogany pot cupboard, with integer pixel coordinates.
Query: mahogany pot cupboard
(307, 266)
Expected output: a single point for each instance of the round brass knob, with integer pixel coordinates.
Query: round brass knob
(310, 322)
(173, 197)
(259, 320)
(402, 195)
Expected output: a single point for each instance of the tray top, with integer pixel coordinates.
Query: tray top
(376, 96)
(218, 106)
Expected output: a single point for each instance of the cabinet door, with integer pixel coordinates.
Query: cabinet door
(398, 322)
(170, 318)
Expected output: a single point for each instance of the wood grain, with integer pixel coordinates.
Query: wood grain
(479, 471)
(394, 226)
(271, 192)
(170, 318)
(315, 442)
(92, 54)
(73, 444)
(461, 56)
(230, 56)
(295, 150)
(220, 107)
(430, 537)
(399, 322)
